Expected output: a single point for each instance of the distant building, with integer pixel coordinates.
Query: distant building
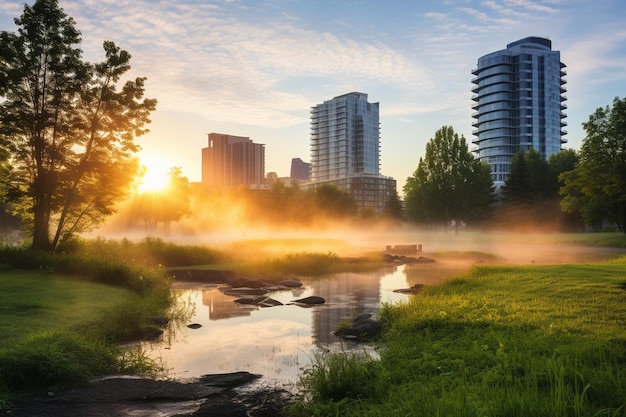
(232, 161)
(519, 103)
(345, 150)
(300, 170)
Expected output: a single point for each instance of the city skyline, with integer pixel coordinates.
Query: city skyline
(255, 69)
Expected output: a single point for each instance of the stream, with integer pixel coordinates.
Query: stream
(276, 342)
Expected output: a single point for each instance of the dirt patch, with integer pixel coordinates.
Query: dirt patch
(214, 395)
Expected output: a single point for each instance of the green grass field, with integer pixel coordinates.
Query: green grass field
(36, 302)
(495, 341)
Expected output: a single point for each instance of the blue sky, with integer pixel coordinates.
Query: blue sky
(255, 68)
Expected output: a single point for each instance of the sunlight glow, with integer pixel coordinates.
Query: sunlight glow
(155, 176)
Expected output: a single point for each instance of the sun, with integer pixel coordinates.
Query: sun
(155, 176)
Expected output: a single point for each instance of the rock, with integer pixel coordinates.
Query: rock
(290, 283)
(233, 379)
(270, 302)
(362, 327)
(401, 259)
(247, 282)
(314, 299)
(222, 407)
(250, 300)
(259, 301)
(244, 291)
(194, 326)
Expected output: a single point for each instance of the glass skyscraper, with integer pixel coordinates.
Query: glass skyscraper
(519, 103)
(345, 150)
(345, 137)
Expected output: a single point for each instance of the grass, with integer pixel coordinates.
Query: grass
(496, 341)
(64, 316)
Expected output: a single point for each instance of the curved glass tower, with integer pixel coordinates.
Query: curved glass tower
(519, 103)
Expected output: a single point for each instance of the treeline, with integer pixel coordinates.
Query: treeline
(569, 191)
(196, 207)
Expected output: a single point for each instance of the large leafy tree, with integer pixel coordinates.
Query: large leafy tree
(449, 184)
(67, 126)
(596, 188)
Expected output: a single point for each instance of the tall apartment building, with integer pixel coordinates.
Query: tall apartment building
(519, 103)
(231, 161)
(345, 149)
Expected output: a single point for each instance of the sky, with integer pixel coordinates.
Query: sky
(255, 68)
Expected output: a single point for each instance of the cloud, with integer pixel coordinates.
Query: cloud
(219, 62)
(530, 5)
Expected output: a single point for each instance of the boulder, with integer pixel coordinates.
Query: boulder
(230, 380)
(259, 301)
(247, 282)
(313, 299)
(244, 291)
(290, 283)
(363, 327)
(270, 302)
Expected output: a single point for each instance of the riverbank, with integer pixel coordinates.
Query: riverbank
(508, 340)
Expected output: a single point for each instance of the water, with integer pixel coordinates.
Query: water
(276, 342)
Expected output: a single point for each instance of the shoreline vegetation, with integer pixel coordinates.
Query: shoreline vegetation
(496, 340)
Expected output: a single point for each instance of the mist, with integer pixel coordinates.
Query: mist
(254, 224)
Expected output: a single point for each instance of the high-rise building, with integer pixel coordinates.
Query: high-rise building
(300, 170)
(230, 161)
(519, 103)
(345, 149)
(345, 138)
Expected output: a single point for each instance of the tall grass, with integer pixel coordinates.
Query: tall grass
(311, 264)
(499, 341)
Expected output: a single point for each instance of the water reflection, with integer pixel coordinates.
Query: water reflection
(275, 341)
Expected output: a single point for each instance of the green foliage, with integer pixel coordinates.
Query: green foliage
(501, 340)
(99, 269)
(449, 184)
(530, 194)
(58, 332)
(344, 375)
(394, 208)
(54, 360)
(596, 188)
(151, 252)
(305, 264)
(334, 201)
(68, 130)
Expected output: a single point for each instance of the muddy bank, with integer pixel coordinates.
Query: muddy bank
(209, 396)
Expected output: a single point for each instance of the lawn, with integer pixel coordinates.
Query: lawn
(496, 341)
(33, 302)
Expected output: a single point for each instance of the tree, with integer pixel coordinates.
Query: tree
(517, 191)
(449, 184)
(67, 128)
(596, 187)
(394, 209)
(334, 202)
